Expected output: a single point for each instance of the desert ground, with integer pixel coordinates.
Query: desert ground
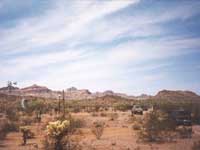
(118, 134)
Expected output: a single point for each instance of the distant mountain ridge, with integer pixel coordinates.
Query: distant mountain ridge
(81, 94)
(35, 89)
(176, 95)
(7, 88)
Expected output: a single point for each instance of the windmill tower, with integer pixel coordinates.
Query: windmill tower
(10, 85)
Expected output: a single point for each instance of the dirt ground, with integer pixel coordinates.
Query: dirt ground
(118, 135)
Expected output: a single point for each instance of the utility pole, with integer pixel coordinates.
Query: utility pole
(59, 96)
(63, 94)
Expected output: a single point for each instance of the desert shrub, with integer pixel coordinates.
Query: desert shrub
(76, 123)
(137, 148)
(38, 116)
(136, 126)
(26, 120)
(12, 126)
(103, 114)
(3, 130)
(196, 145)
(97, 108)
(97, 129)
(12, 114)
(155, 126)
(26, 133)
(36, 105)
(132, 119)
(122, 106)
(94, 114)
(47, 145)
(196, 114)
(76, 109)
(102, 109)
(113, 116)
(106, 108)
(56, 131)
(7, 126)
(67, 144)
(184, 132)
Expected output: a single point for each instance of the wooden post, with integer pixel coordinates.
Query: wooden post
(63, 94)
(59, 104)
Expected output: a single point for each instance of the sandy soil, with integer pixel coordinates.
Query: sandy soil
(118, 135)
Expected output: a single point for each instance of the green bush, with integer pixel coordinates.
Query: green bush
(12, 114)
(113, 116)
(196, 145)
(7, 126)
(26, 133)
(36, 105)
(12, 126)
(184, 132)
(3, 131)
(26, 120)
(103, 114)
(196, 114)
(94, 114)
(136, 126)
(77, 123)
(155, 126)
(122, 106)
(97, 129)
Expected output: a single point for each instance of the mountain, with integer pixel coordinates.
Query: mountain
(7, 88)
(84, 94)
(176, 95)
(78, 94)
(35, 89)
(38, 91)
(143, 97)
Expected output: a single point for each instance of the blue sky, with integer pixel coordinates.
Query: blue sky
(129, 46)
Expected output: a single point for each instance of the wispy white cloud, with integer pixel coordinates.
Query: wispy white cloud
(114, 42)
(134, 51)
(63, 23)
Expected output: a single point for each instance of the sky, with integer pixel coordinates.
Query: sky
(128, 46)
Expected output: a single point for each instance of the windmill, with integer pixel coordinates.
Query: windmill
(10, 85)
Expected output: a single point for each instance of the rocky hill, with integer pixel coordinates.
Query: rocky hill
(6, 89)
(84, 94)
(176, 95)
(35, 89)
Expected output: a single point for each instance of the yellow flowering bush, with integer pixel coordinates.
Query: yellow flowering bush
(56, 131)
(57, 128)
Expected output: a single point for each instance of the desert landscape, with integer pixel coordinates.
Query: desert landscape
(105, 121)
(99, 75)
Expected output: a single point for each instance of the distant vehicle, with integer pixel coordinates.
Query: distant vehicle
(137, 110)
(182, 117)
